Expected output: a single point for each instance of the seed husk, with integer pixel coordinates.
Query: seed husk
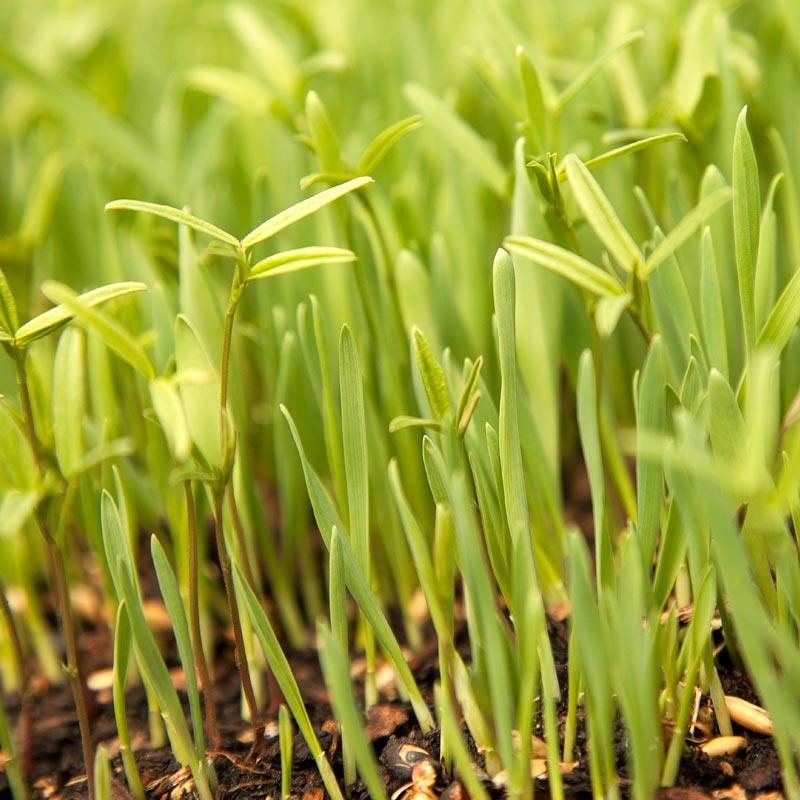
(723, 746)
(749, 715)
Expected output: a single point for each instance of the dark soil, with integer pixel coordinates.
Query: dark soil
(58, 770)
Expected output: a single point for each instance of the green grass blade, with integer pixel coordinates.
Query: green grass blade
(593, 457)
(175, 215)
(601, 216)
(593, 69)
(327, 519)
(563, 262)
(746, 216)
(69, 400)
(54, 318)
(433, 378)
(336, 669)
(711, 310)
(122, 656)
(286, 680)
(296, 260)
(114, 336)
(301, 210)
(651, 418)
(170, 591)
(383, 143)
(681, 233)
(287, 751)
(476, 153)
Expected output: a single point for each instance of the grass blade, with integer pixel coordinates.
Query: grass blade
(113, 335)
(475, 151)
(175, 215)
(681, 233)
(301, 210)
(69, 400)
(286, 680)
(746, 220)
(54, 318)
(601, 216)
(383, 143)
(563, 262)
(336, 670)
(301, 258)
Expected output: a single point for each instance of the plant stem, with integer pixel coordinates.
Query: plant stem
(224, 558)
(77, 679)
(239, 651)
(23, 672)
(206, 685)
(58, 576)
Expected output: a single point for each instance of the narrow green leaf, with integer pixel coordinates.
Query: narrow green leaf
(354, 445)
(420, 553)
(469, 388)
(593, 457)
(9, 319)
(783, 318)
(433, 377)
(534, 99)
(746, 214)
(53, 318)
(651, 417)
(175, 215)
(382, 144)
(17, 467)
(627, 149)
(172, 418)
(102, 774)
(593, 69)
(286, 680)
(69, 400)
(336, 669)
(563, 262)
(475, 151)
(170, 591)
(287, 751)
(237, 88)
(323, 135)
(601, 215)
(681, 233)
(301, 258)
(301, 210)
(608, 311)
(712, 314)
(112, 333)
(122, 657)
(200, 399)
(727, 429)
(403, 422)
(327, 519)
(766, 264)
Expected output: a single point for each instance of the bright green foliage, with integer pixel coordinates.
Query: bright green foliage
(421, 408)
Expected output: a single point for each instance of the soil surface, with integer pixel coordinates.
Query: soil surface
(58, 774)
(58, 769)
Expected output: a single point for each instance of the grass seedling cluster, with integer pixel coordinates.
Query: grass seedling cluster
(510, 351)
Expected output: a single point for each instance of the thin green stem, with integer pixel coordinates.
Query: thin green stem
(58, 576)
(240, 654)
(24, 675)
(206, 684)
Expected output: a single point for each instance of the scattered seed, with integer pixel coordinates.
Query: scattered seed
(723, 746)
(749, 715)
